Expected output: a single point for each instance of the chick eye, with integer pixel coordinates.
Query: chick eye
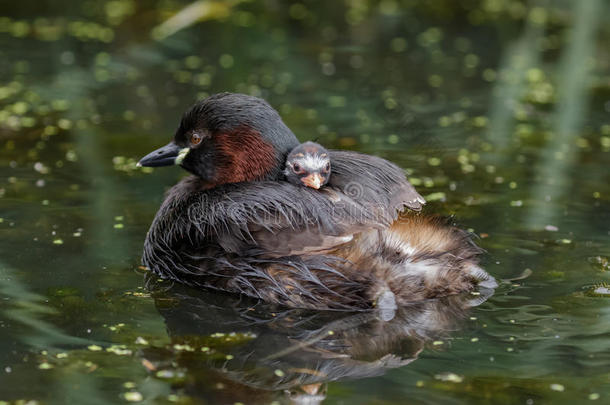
(327, 167)
(297, 168)
(196, 139)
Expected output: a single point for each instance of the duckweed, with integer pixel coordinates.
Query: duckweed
(133, 396)
(470, 120)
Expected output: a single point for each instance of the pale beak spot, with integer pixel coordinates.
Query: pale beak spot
(181, 155)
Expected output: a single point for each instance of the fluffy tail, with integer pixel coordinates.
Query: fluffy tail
(419, 258)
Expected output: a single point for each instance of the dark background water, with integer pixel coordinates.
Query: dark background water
(499, 111)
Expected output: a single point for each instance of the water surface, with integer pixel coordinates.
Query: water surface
(498, 111)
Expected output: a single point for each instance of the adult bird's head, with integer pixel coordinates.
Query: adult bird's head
(228, 138)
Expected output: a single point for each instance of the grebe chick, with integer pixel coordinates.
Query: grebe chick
(308, 164)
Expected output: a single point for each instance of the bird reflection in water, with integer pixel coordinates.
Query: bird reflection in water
(266, 353)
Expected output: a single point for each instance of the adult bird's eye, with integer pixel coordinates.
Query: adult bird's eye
(196, 139)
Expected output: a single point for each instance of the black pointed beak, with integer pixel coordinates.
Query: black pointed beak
(168, 155)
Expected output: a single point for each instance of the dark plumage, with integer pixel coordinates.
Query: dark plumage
(237, 226)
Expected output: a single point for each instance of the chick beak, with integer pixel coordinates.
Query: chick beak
(314, 180)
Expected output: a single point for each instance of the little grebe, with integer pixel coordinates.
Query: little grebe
(238, 226)
(308, 164)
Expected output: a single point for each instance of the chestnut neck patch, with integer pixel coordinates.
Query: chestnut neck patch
(243, 155)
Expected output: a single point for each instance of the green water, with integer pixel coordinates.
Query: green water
(499, 110)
